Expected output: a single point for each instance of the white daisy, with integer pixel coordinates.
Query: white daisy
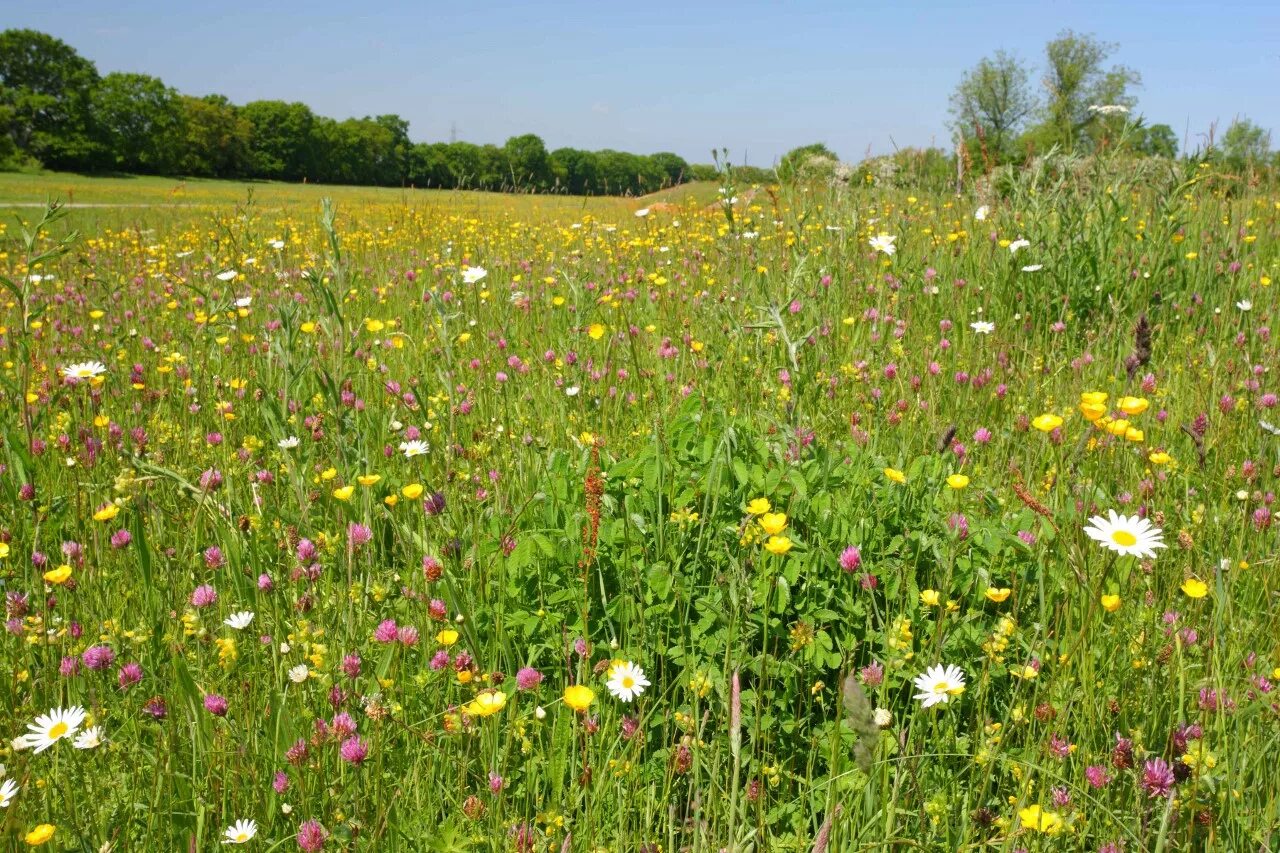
(227, 275)
(1244, 305)
(938, 684)
(1019, 244)
(183, 254)
(981, 213)
(1125, 534)
(571, 391)
(89, 738)
(84, 370)
(1033, 268)
(642, 212)
(287, 443)
(8, 790)
(240, 620)
(983, 327)
(627, 681)
(883, 243)
(411, 449)
(240, 832)
(276, 244)
(244, 301)
(52, 727)
(473, 274)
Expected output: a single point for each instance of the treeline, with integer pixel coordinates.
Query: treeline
(1083, 106)
(58, 112)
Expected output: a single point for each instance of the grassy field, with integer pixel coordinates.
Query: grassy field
(853, 520)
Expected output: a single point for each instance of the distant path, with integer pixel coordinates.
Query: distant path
(109, 204)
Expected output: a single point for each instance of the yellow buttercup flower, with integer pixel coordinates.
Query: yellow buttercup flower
(485, 704)
(895, 475)
(344, 493)
(412, 492)
(106, 513)
(1159, 458)
(998, 594)
(1094, 397)
(1132, 405)
(40, 834)
(1117, 427)
(1111, 603)
(930, 597)
(1038, 820)
(579, 697)
(1093, 411)
(447, 637)
(59, 575)
(777, 545)
(957, 481)
(759, 506)
(1046, 422)
(773, 523)
(1195, 588)
(368, 479)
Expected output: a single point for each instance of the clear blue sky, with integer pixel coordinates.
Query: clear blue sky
(756, 77)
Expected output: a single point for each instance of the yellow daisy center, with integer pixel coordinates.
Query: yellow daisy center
(59, 729)
(628, 682)
(242, 836)
(1123, 537)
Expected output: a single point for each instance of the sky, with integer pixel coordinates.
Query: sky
(757, 78)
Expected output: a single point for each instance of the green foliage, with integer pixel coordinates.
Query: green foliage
(807, 162)
(139, 121)
(47, 90)
(1245, 143)
(991, 104)
(217, 139)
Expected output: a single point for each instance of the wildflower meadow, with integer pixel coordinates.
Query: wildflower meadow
(760, 517)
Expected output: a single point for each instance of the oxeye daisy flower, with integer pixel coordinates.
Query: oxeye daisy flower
(883, 243)
(938, 684)
(52, 727)
(626, 681)
(84, 370)
(1125, 535)
(239, 621)
(8, 790)
(983, 327)
(240, 832)
(90, 738)
(473, 274)
(287, 443)
(411, 449)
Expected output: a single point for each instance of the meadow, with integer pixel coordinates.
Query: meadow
(753, 518)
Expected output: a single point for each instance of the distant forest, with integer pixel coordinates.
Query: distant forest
(58, 112)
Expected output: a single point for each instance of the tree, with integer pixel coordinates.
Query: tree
(1157, 140)
(46, 91)
(1245, 143)
(281, 145)
(139, 123)
(527, 162)
(992, 102)
(807, 161)
(428, 166)
(672, 166)
(1075, 80)
(216, 138)
(576, 172)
